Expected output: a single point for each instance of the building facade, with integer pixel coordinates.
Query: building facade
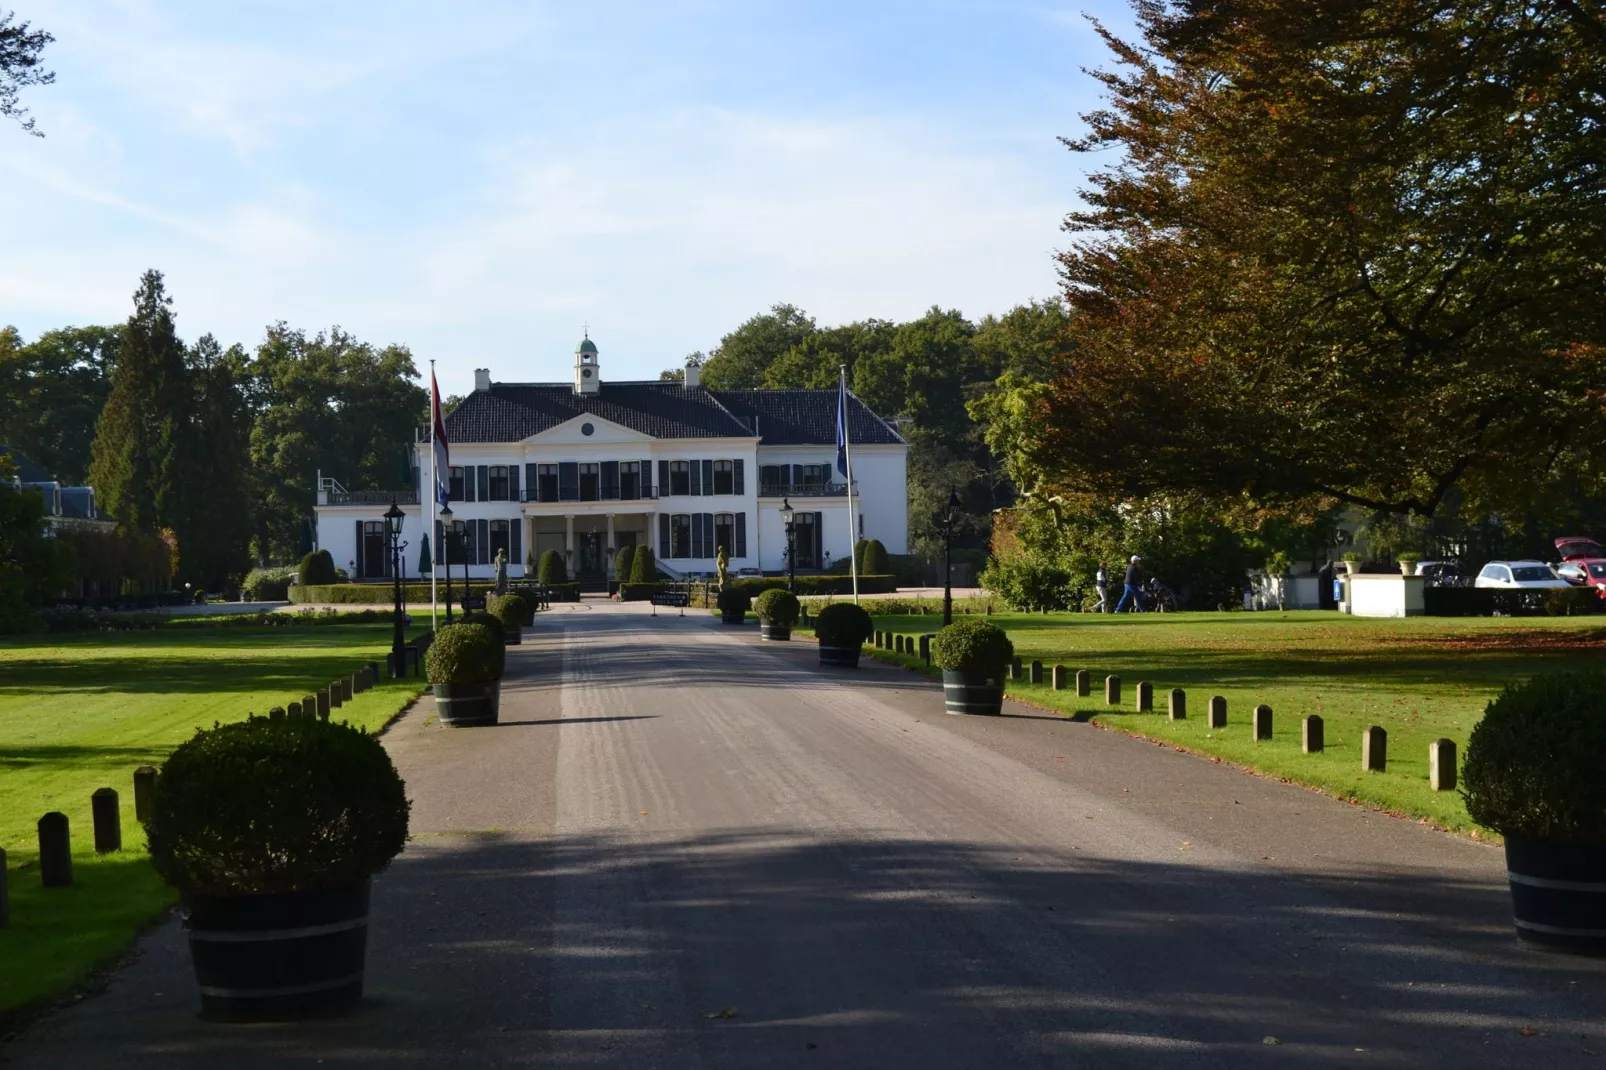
(588, 467)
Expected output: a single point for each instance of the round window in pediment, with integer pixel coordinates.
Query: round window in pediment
(588, 429)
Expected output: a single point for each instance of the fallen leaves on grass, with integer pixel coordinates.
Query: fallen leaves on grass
(728, 1012)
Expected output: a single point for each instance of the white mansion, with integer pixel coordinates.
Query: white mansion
(588, 467)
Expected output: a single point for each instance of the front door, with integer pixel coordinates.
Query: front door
(590, 552)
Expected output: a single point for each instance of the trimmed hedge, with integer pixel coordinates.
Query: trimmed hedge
(355, 594)
(735, 600)
(564, 592)
(843, 623)
(1491, 602)
(638, 592)
(777, 606)
(621, 563)
(1533, 762)
(825, 584)
(510, 609)
(267, 584)
(971, 645)
(317, 570)
(464, 653)
(552, 571)
(643, 568)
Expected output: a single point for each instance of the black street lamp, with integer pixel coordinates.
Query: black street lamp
(398, 655)
(791, 550)
(446, 556)
(947, 521)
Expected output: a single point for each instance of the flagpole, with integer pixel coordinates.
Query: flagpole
(853, 520)
(427, 515)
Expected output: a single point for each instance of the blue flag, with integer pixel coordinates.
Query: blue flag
(842, 428)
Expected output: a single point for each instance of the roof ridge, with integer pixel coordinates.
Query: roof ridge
(752, 430)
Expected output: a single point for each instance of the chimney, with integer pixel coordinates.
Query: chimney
(482, 378)
(694, 373)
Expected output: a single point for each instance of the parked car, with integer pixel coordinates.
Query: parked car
(1519, 575)
(749, 573)
(1579, 548)
(1585, 572)
(1440, 573)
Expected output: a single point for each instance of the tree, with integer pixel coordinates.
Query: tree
(1352, 251)
(32, 566)
(55, 387)
(552, 569)
(20, 50)
(216, 524)
(643, 569)
(743, 356)
(621, 564)
(815, 362)
(140, 435)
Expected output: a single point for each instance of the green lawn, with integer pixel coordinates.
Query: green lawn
(81, 712)
(1419, 678)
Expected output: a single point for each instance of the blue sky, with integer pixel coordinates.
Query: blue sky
(476, 180)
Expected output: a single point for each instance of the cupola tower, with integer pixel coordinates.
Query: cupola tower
(587, 376)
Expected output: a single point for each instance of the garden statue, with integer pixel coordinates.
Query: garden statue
(501, 571)
(721, 562)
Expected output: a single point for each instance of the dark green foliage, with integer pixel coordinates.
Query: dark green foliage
(272, 585)
(830, 583)
(551, 569)
(643, 568)
(512, 610)
(734, 600)
(415, 594)
(779, 606)
(32, 567)
(20, 49)
(55, 387)
(971, 644)
(744, 356)
(464, 653)
(317, 570)
(843, 624)
(216, 507)
(278, 805)
(1490, 602)
(621, 564)
(873, 559)
(638, 592)
(1030, 582)
(1533, 764)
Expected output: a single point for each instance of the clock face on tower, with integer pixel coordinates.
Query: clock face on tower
(585, 373)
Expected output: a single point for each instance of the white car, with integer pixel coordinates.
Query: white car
(1519, 575)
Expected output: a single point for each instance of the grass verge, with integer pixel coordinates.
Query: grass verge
(81, 712)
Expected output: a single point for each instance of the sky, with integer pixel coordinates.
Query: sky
(479, 181)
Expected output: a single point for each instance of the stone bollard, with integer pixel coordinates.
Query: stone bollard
(1084, 683)
(1015, 668)
(1375, 749)
(1262, 721)
(347, 688)
(373, 674)
(925, 649)
(55, 850)
(323, 703)
(108, 821)
(1112, 690)
(1441, 764)
(1178, 709)
(359, 681)
(1311, 738)
(1145, 703)
(309, 706)
(880, 638)
(1217, 715)
(1037, 671)
(335, 695)
(1058, 678)
(5, 896)
(276, 713)
(294, 711)
(144, 792)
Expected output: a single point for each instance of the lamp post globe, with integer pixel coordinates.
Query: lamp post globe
(446, 556)
(787, 514)
(393, 526)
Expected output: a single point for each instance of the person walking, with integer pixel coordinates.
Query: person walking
(1134, 578)
(1101, 583)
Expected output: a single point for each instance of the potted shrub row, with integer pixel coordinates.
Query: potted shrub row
(842, 629)
(1533, 774)
(513, 613)
(733, 605)
(464, 665)
(271, 830)
(972, 655)
(777, 611)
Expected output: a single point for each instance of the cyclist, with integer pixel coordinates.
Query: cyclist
(1134, 580)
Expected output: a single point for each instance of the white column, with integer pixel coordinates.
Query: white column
(568, 542)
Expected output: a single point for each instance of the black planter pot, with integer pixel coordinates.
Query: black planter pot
(840, 655)
(732, 616)
(262, 958)
(468, 704)
(511, 637)
(970, 691)
(768, 629)
(1558, 893)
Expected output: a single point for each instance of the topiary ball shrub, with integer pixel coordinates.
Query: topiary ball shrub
(317, 569)
(777, 606)
(265, 806)
(511, 610)
(466, 653)
(843, 624)
(552, 569)
(971, 646)
(643, 569)
(1533, 766)
(873, 560)
(732, 600)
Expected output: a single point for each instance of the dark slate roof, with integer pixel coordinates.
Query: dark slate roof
(511, 412)
(80, 502)
(27, 471)
(806, 417)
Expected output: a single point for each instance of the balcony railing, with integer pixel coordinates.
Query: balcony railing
(368, 497)
(532, 496)
(802, 490)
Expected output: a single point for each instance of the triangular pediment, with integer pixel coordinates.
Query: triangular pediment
(573, 432)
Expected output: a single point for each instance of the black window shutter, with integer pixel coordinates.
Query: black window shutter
(663, 478)
(695, 476)
(736, 479)
(646, 479)
(483, 476)
(465, 552)
(697, 535)
(468, 483)
(513, 483)
(359, 574)
(663, 533)
(515, 535)
(485, 542)
(708, 477)
(610, 480)
(741, 530)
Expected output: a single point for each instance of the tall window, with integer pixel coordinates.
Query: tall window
(590, 479)
(546, 489)
(630, 480)
(806, 537)
(500, 538)
(679, 477)
(568, 481)
(610, 481)
(725, 533)
(724, 478)
(815, 475)
(499, 483)
(456, 489)
(680, 535)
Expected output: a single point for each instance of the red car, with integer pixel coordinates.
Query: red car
(1583, 563)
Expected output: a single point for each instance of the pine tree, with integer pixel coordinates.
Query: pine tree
(138, 438)
(215, 522)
